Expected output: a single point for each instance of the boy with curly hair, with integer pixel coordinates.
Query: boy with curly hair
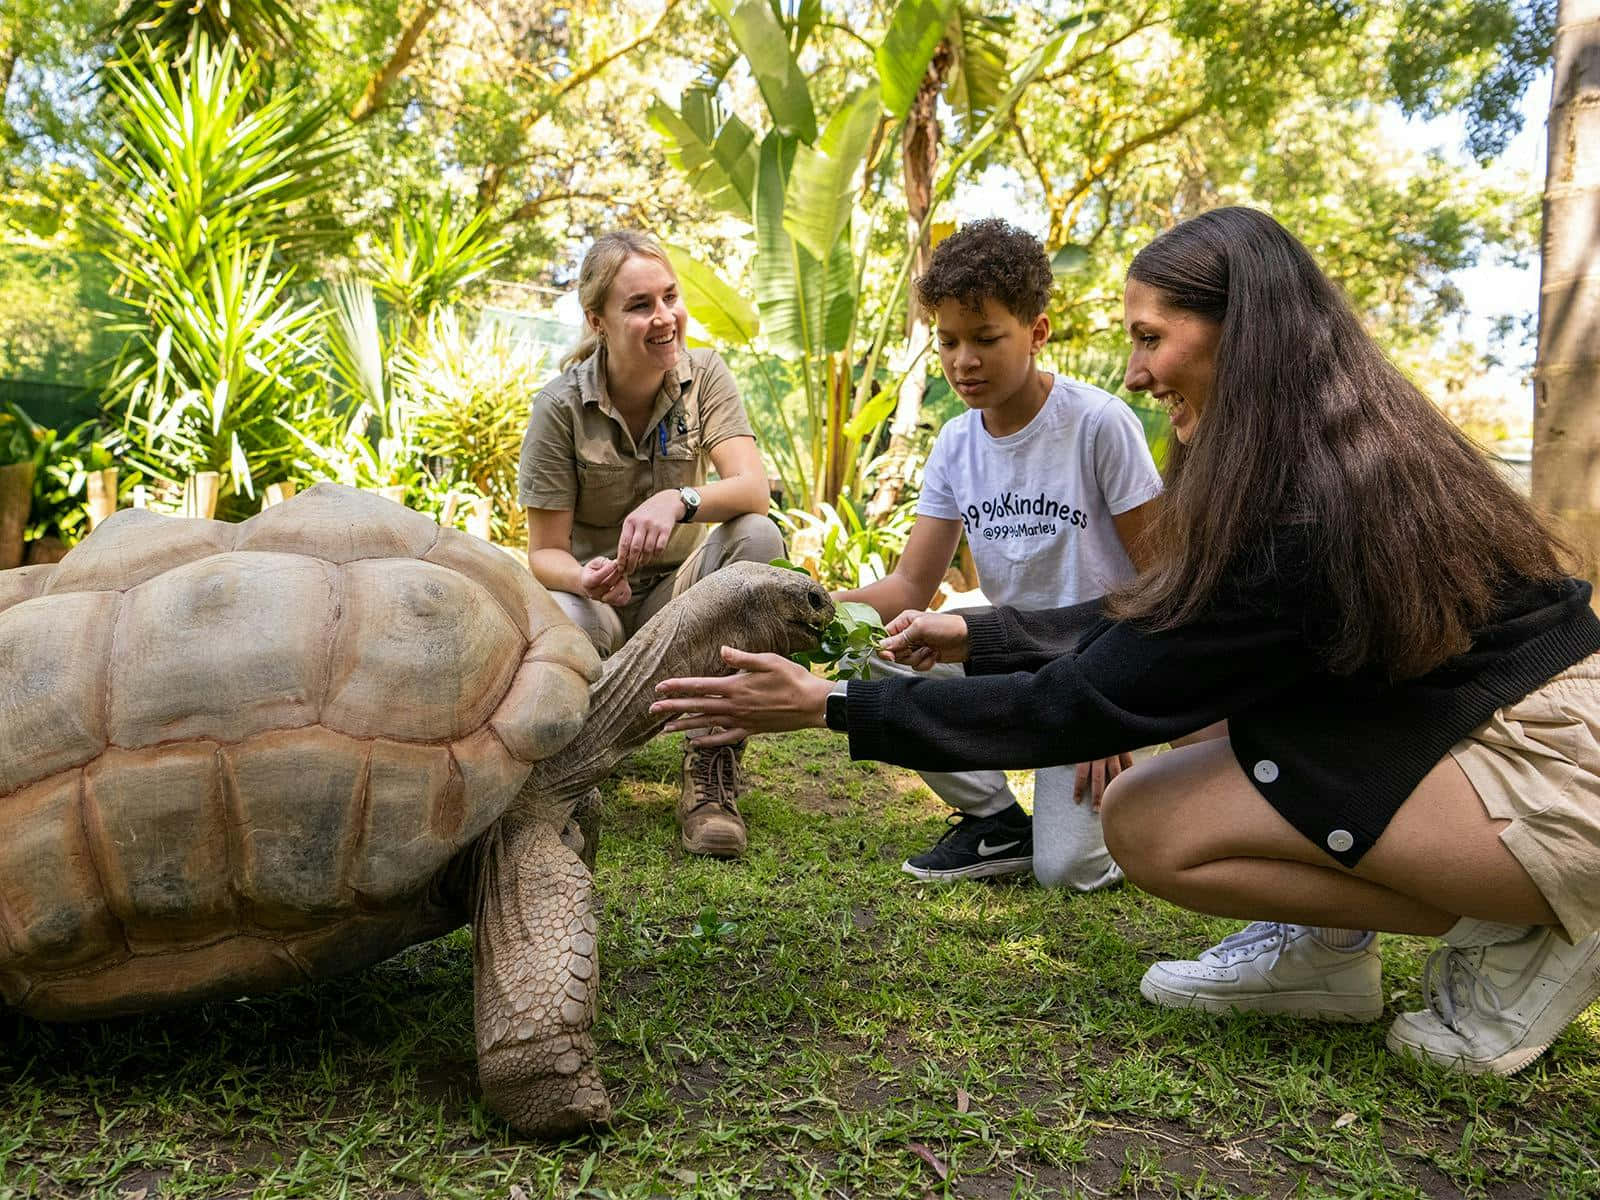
(1053, 484)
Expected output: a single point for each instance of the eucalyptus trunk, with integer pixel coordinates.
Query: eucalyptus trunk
(1566, 446)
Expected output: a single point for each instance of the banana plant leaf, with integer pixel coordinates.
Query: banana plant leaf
(806, 303)
(720, 164)
(726, 315)
(821, 188)
(914, 33)
(764, 42)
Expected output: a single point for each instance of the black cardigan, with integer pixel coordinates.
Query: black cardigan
(1336, 755)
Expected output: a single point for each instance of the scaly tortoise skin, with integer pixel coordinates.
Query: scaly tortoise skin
(236, 757)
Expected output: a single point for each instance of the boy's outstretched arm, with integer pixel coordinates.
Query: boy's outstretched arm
(917, 575)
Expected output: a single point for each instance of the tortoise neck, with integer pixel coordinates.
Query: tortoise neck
(620, 720)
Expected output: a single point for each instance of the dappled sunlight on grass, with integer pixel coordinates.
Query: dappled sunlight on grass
(832, 1016)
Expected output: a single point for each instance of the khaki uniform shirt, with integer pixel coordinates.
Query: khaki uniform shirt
(578, 454)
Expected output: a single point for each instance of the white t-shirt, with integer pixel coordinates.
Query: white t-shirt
(1037, 505)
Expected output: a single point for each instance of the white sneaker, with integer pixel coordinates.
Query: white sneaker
(1496, 1008)
(1273, 967)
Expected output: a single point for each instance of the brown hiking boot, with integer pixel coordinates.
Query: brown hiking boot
(708, 809)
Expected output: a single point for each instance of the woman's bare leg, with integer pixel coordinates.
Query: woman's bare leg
(1190, 827)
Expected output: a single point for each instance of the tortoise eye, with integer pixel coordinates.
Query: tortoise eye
(814, 599)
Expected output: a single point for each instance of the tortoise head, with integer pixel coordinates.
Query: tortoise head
(748, 605)
(754, 607)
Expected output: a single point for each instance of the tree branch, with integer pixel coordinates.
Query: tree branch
(494, 173)
(529, 209)
(1109, 160)
(380, 83)
(1143, 21)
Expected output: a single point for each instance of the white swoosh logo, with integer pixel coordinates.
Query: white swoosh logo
(985, 850)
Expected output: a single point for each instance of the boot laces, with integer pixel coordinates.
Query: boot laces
(716, 777)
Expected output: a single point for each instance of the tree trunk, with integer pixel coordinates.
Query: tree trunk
(1566, 422)
(919, 151)
(372, 95)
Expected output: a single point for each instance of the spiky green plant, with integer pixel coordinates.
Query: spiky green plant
(202, 190)
(471, 392)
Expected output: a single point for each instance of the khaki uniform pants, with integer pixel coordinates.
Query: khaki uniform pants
(746, 538)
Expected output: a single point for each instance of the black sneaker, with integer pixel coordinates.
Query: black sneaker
(974, 847)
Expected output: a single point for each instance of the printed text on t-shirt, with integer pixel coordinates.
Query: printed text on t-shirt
(981, 519)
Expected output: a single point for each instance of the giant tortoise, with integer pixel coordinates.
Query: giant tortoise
(236, 757)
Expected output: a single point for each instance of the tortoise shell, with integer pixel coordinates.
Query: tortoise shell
(237, 756)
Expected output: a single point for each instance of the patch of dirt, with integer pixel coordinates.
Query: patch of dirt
(813, 797)
(451, 1083)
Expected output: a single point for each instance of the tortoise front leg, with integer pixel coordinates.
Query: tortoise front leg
(535, 972)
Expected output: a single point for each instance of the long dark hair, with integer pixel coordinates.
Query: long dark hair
(1415, 535)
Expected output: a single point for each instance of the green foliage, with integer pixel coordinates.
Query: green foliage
(203, 184)
(171, 26)
(915, 30)
(61, 463)
(847, 642)
(471, 394)
(810, 259)
(839, 547)
(433, 254)
(1474, 56)
(50, 328)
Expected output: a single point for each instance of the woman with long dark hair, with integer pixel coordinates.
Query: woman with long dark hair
(1386, 677)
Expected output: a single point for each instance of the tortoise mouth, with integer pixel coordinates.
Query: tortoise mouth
(811, 627)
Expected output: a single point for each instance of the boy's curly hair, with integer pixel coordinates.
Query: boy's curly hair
(989, 258)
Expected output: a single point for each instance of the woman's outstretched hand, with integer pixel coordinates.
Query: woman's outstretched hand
(921, 639)
(768, 695)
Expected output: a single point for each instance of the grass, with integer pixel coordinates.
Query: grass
(807, 1022)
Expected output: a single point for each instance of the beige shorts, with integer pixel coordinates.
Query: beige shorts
(1536, 763)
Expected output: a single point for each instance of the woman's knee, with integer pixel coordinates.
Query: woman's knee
(753, 537)
(1137, 834)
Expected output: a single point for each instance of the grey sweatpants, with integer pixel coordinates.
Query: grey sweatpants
(1069, 848)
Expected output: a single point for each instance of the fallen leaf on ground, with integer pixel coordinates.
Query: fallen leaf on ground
(1344, 1119)
(963, 1101)
(932, 1159)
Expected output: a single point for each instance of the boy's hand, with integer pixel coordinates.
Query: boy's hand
(921, 639)
(1092, 778)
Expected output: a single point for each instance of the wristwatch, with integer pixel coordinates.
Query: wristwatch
(836, 714)
(691, 504)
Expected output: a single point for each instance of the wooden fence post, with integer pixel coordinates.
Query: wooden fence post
(16, 498)
(102, 495)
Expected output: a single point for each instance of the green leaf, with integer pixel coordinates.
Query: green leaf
(721, 166)
(872, 414)
(999, 119)
(764, 42)
(977, 79)
(821, 187)
(727, 315)
(858, 614)
(914, 33)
